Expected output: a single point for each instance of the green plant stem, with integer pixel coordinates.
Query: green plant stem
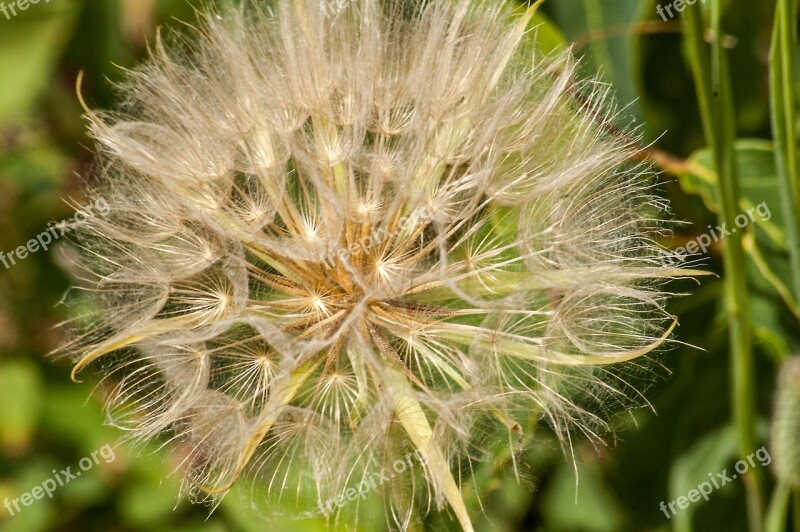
(782, 107)
(796, 509)
(778, 510)
(712, 82)
(782, 104)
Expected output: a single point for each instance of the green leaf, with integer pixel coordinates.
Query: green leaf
(147, 503)
(41, 514)
(21, 398)
(32, 42)
(602, 30)
(755, 162)
(760, 201)
(74, 420)
(586, 505)
(711, 454)
(548, 37)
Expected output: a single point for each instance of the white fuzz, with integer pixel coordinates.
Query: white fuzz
(335, 238)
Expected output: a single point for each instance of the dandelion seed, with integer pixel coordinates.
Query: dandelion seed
(268, 294)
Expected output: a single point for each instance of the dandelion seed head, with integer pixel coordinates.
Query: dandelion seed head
(269, 293)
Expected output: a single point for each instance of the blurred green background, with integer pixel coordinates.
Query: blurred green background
(47, 422)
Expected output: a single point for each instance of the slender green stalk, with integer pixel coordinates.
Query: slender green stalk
(783, 106)
(796, 509)
(778, 510)
(782, 102)
(712, 82)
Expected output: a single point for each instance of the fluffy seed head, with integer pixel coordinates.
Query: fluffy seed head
(338, 236)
